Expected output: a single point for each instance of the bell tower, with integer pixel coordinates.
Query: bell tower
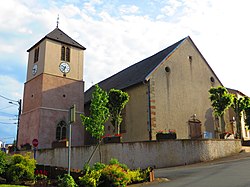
(54, 83)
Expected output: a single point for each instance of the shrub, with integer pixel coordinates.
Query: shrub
(135, 176)
(115, 161)
(115, 175)
(66, 181)
(91, 178)
(20, 168)
(3, 162)
(145, 174)
(98, 166)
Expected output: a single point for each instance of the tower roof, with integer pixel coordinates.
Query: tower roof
(59, 36)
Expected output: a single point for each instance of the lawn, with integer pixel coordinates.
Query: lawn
(8, 185)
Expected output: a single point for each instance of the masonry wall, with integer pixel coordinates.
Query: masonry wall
(143, 154)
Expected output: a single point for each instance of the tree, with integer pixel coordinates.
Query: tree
(247, 120)
(117, 101)
(239, 105)
(221, 100)
(99, 113)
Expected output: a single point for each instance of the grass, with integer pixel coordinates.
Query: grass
(8, 185)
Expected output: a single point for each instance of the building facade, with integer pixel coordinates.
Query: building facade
(168, 92)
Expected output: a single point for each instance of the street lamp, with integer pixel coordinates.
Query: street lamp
(19, 104)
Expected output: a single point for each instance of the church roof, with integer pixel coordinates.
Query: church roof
(59, 36)
(136, 73)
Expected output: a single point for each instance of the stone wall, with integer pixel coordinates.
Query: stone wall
(143, 154)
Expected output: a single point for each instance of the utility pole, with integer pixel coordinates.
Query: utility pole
(19, 104)
(18, 119)
(72, 119)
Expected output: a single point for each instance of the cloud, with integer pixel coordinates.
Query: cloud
(128, 9)
(171, 7)
(117, 35)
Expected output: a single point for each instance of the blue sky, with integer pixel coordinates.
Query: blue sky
(119, 33)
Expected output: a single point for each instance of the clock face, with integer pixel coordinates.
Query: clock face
(34, 69)
(64, 67)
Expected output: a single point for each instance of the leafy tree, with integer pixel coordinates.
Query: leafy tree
(117, 101)
(221, 100)
(239, 105)
(247, 120)
(99, 113)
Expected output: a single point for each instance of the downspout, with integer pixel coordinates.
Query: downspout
(149, 109)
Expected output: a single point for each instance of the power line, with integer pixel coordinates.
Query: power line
(7, 98)
(6, 107)
(6, 123)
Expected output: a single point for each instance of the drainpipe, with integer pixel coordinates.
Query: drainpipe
(149, 110)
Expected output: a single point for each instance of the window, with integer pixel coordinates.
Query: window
(61, 131)
(68, 54)
(36, 55)
(65, 54)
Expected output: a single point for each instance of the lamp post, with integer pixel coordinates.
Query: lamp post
(19, 104)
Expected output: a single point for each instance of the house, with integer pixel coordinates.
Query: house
(231, 127)
(168, 91)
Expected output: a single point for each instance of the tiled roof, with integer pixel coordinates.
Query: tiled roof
(134, 74)
(59, 36)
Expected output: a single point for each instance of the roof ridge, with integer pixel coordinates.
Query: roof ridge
(59, 36)
(135, 73)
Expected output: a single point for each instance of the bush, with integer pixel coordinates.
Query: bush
(3, 162)
(135, 176)
(115, 161)
(91, 178)
(66, 181)
(115, 175)
(99, 166)
(20, 168)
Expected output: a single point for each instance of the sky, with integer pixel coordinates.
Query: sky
(119, 33)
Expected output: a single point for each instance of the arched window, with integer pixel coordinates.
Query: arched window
(61, 130)
(63, 53)
(68, 54)
(36, 55)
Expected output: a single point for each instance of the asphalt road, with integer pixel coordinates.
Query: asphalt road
(227, 173)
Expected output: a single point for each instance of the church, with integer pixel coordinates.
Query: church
(53, 84)
(168, 92)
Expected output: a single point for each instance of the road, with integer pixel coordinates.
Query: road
(230, 173)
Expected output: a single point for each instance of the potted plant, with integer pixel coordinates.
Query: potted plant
(112, 138)
(164, 135)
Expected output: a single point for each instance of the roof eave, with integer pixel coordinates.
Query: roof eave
(149, 75)
(36, 44)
